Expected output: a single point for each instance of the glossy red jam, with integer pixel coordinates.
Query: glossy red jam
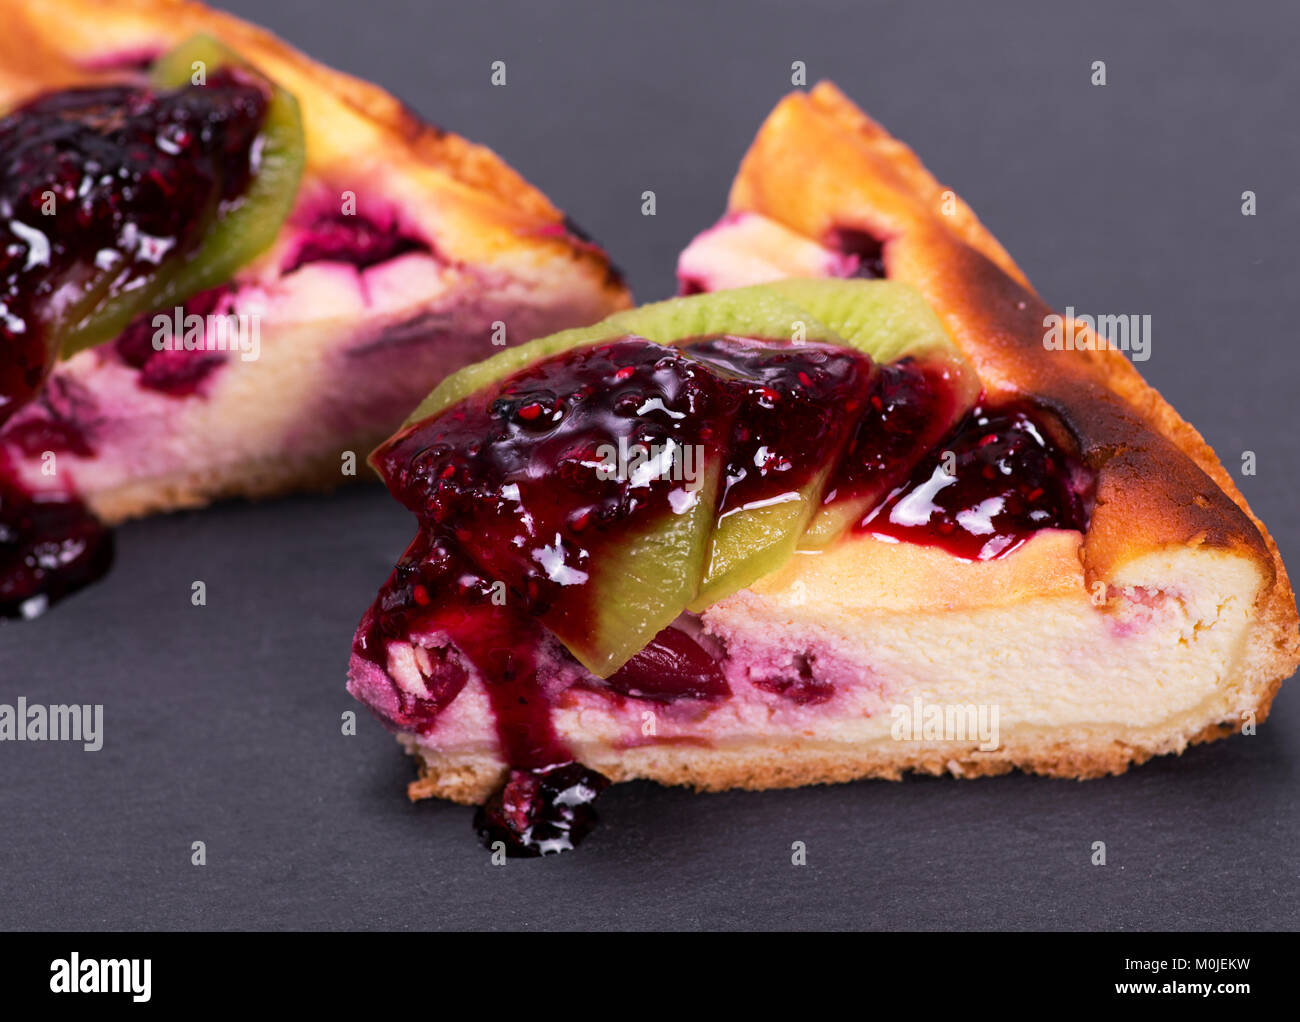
(796, 408)
(994, 482)
(98, 187)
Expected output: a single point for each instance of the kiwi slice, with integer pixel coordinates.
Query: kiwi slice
(249, 227)
(233, 234)
(889, 321)
(641, 584)
(746, 312)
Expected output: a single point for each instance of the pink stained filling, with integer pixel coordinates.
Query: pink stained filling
(759, 680)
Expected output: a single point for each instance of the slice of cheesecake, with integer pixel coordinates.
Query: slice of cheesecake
(267, 265)
(815, 529)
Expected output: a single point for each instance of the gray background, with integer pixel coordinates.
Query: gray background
(223, 723)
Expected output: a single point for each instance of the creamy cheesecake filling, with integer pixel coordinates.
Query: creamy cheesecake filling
(743, 249)
(887, 668)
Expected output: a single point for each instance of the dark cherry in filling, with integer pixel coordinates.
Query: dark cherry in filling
(357, 239)
(504, 488)
(98, 187)
(671, 667)
(867, 249)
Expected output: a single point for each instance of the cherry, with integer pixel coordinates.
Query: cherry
(358, 239)
(672, 667)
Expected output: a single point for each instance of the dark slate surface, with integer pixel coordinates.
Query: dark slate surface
(222, 723)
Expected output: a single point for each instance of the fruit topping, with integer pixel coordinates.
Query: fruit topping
(117, 200)
(986, 488)
(609, 478)
(247, 220)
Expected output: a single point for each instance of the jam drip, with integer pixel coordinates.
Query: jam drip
(434, 590)
(516, 521)
(100, 187)
(50, 546)
(989, 486)
(543, 811)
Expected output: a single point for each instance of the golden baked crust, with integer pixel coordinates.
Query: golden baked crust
(796, 764)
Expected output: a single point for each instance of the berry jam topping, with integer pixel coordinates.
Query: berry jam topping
(994, 482)
(50, 546)
(541, 811)
(796, 407)
(100, 188)
(867, 251)
(902, 417)
(356, 239)
(537, 479)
